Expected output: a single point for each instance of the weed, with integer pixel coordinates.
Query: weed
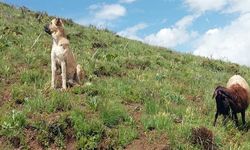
(94, 102)
(160, 76)
(13, 123)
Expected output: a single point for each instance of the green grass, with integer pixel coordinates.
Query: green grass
(126, 135)
(130, 90)
(13, 124)
(113, 114)
(88, 132)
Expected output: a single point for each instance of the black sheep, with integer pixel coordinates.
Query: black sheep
(234, 99)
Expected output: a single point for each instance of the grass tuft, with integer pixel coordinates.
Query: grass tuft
(112, 114)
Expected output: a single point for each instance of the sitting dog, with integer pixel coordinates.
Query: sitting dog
(62, 57)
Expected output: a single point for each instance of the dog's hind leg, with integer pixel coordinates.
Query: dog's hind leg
(79, 74)
(71, 83)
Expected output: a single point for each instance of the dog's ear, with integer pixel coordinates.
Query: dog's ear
(59, 22)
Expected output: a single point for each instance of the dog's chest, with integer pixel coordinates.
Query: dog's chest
(57, 52)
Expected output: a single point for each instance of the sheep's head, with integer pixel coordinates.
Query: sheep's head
(223, 99)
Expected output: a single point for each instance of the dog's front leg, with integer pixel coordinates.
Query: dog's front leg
(53, 72)
(63, 66)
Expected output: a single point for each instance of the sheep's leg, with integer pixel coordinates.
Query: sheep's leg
(215, 117)
(235, 119)
(243, 118)
(224, 119)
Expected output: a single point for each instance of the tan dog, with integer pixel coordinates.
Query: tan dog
(62, 57)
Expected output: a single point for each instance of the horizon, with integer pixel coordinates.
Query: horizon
(214, 29)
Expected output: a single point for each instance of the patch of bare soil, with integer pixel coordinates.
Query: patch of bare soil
(71, 144)
(15, 141)
(2, 140)
(70, 136)
(141, 65)
(31, 134)
(103, 72)
(135, 110)
(99, 45)
(196, 98)
(30, 138)
(150, 141)
(6, 96)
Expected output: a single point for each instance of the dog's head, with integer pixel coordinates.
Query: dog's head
(54, 26)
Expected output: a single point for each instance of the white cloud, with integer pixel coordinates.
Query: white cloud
(108, 11)
(205, 5)
(173, 36)
(242, 6)
(230, 43)
(127, 1)
(186, 21)
(103, 15)
(166, 37)
(131, 32)
(228, 6)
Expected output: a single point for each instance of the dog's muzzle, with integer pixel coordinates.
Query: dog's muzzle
(47, 30)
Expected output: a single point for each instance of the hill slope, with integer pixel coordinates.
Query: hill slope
(135, 96)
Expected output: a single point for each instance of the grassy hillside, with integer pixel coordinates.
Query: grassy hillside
(135, 96)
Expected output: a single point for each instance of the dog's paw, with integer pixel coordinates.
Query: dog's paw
(63, 89)
(52, 87)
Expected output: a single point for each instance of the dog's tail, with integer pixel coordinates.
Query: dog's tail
(79, 73)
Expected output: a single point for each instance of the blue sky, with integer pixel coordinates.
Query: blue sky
(218, 29)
